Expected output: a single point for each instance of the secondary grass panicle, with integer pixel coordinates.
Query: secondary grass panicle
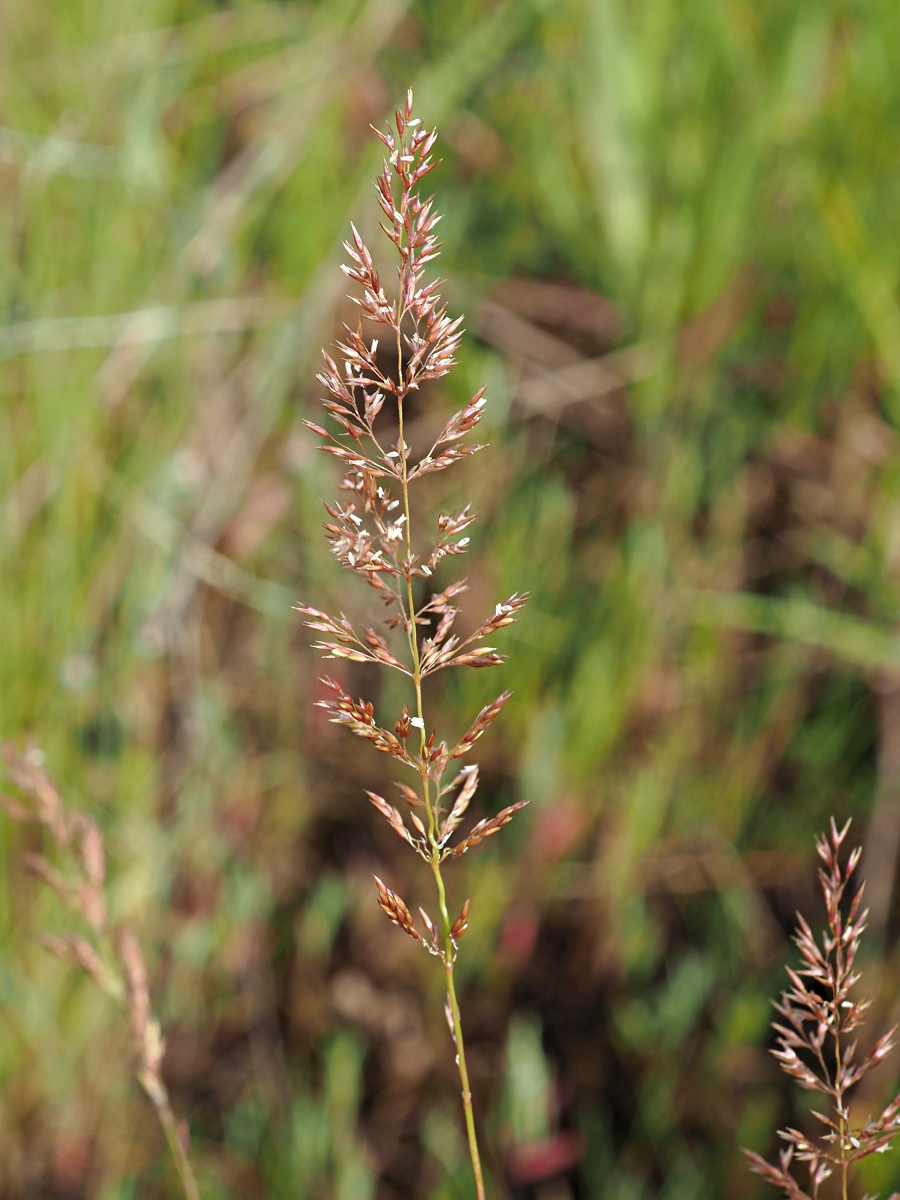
(112, 958)
(815, 1019)
(371, 533)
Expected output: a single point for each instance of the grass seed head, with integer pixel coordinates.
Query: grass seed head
(815, 1015)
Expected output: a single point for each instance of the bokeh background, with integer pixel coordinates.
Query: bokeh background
(675, 230)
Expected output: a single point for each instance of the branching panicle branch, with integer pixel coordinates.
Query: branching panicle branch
(113, 960)
(371, 534)
(815, 1015)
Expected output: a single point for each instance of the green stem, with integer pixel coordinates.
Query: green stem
(154, 1088)
(449, 960)
(176, 1147)
(449, 953)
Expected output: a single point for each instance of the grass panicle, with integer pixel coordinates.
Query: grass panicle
(816, 1015)
(371, 534)
(111, 958)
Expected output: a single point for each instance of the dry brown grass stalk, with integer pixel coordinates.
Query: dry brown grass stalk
(815, 1016)
(371, 533)
(112, 958)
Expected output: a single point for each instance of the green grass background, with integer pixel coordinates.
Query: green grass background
(709, 665)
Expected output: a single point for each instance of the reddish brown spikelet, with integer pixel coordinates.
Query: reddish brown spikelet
(346, 642)
(72, 948)
(394, 819)
(432, 942)
(93, 905)
(487, 828)
(136, 979)
(14, 809)
(813, 1021)
(38, 866)
(780, 1176)
(93, 856)
(145, 1030)
(359, 717)
(93, 859)
(403, 728)
(485, 657)
(408, 794)
(26, 773)
(488, 714)
(461, 924)
(396, 910)
(88, 959)
(467, 782)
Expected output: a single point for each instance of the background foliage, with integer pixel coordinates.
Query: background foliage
(674, 228)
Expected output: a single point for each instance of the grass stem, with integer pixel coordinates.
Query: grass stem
(449, 953)
(176, 1146)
